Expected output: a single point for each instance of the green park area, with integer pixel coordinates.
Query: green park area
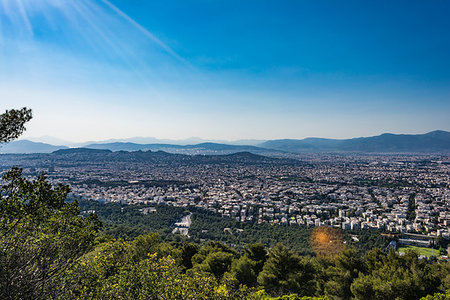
(428, 252)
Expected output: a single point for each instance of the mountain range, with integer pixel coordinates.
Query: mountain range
(432, 142)
(143, 140)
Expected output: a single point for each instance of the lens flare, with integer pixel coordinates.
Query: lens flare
(327, 242)
(23, 17)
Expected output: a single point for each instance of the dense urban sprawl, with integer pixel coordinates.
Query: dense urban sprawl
(395, 193)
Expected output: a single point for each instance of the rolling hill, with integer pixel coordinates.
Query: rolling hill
(25, 147)
(203, 148)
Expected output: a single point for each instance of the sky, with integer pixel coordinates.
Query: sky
(226, 70)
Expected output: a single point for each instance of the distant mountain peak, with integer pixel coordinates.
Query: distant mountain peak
(433, 142)
(439, 133)
(27, 147)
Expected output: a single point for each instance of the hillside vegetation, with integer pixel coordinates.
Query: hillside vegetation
(50, 251)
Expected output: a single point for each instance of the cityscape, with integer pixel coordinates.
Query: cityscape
(392, 193)
(224, 150)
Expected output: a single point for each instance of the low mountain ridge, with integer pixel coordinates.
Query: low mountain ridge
(27, 147)
(432, 142)
(203, 148)
(84, 156)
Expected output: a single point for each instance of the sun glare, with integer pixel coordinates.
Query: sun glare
(327, 242)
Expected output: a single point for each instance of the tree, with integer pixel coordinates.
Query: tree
(188, 250)
(41, 236)
(346, 268)
(243, 271)
(258, 254)
(211, 247)
(144, 245)
(12, 123)
(110, 272)
(375, 259)
(215, 258)
(438, 296)
(284, 272)
(247, 268)
(216, 263)
(402, 277)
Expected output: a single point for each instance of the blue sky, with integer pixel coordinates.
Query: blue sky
(97, 69)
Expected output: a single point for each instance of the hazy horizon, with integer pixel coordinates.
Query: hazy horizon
(93, 70)
(188, 140)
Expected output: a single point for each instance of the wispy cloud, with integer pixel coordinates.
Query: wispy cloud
(24, 15)
(79, 13)
(144, 31)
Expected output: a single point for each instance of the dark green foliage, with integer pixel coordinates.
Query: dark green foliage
(257, 253)
(108, 272)
(269, 235)
(341, 274)
(284, 273)
(127, 222)
(188, 250)
(215, 258)
(247, 268)
(368, 239)
(212, 247)
(41, 236)
(144, 245)
(374, 259)
(12, 123)
(296, 297)
(394, 276)
(216, 263)
(243, 270)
